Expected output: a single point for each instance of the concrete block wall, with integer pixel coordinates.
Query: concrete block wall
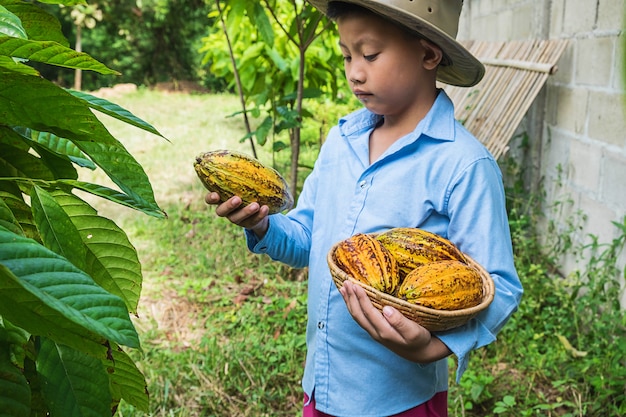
(577, 125)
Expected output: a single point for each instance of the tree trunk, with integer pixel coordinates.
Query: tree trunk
(78, 74)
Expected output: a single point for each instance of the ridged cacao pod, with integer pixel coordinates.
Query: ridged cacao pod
(443, 285)
(413, 247)
(368, 261)
(232, 173)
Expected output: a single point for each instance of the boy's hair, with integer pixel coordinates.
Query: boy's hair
(338, 9)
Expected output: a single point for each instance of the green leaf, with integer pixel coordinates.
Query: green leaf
(259, 19)
(52, 53)
(114, 110)
(14, 389)
(47, 295)
(16, 162)
(10, 24)
(62, 147)
(124, 171)
(8, 63)
(114, 196)
(65, 2)
(21, 212)
(8, 220)
(72, 381)
(39, 24)
(40, 105)
(127, 382)
(56, 229)
(110, 258)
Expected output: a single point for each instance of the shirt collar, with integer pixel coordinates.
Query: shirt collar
(439, 122)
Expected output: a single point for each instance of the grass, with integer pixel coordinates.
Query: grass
(222, 330)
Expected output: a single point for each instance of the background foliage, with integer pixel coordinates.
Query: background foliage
(145, 41)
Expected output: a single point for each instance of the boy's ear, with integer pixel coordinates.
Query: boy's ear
(432, 54)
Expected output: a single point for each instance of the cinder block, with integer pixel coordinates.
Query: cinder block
(585, 164)
(565, 66)
(614, 181)
(522, 24)
(572, 109)
(606, 118)
(599, 219)
(557, 11)
(610, 15)
(555, 153)
(619, 76)
(579, 16)
(594, 61)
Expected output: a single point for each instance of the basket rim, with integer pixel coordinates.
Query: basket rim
(488, 290)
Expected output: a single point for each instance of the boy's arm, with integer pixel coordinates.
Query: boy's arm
(479, 226)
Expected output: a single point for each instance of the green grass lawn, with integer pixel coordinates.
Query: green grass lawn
(222, 330)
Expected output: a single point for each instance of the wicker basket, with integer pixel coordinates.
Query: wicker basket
(433, 320)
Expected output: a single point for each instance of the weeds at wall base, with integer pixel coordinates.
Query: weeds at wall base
(563, 352)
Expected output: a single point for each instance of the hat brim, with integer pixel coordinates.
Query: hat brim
(463, 71)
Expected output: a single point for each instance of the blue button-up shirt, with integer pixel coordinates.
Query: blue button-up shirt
(438, 178)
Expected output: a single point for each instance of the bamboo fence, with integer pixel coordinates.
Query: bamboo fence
(515, 72)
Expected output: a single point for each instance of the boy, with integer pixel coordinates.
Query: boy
(401, 161)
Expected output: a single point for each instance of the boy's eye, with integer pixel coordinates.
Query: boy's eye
(371, 57)
(347, 58)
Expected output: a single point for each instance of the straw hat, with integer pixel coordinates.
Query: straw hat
(437, 21)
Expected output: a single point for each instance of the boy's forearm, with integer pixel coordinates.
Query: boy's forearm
(432, 352)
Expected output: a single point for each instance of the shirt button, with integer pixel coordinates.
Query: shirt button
(320, 325)
(362, 184)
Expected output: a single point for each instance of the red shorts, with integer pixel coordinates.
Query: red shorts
(435, 407)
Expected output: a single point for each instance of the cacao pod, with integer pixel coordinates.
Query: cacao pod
(413, 247)
(443, 285)
(368, 261)
(232, 173)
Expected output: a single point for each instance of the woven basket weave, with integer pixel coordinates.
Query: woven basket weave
(433, 320)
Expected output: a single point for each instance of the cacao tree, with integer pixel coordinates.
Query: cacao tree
(69, 278)
(281, 52)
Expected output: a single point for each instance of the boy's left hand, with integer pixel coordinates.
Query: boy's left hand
(392, 329)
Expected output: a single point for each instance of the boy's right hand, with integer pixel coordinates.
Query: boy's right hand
(252, 216)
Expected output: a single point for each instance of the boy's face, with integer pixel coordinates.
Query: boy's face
(385, 66)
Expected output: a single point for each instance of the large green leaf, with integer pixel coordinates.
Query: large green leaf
(124, 171)
(14, 388)
(8, 220)
(16, 162)
(73, 381)
(114, 110)
(62, 147)
(127, 381)
(40, 105)
(110, 258)
(10, 24)
(114, 196)
(47, 295)
(8, 63)
(39, 24)
(56, 228)
(20, 211)
(52, 53)
(65, 2)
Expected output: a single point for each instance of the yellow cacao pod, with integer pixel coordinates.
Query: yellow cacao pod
(232, 173)
(443, 285)
(368, 261)
(413, 247)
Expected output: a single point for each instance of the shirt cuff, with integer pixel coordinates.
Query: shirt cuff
(461, 341)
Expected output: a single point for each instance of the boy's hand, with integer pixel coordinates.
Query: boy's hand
(393, 330)
(252, 216)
